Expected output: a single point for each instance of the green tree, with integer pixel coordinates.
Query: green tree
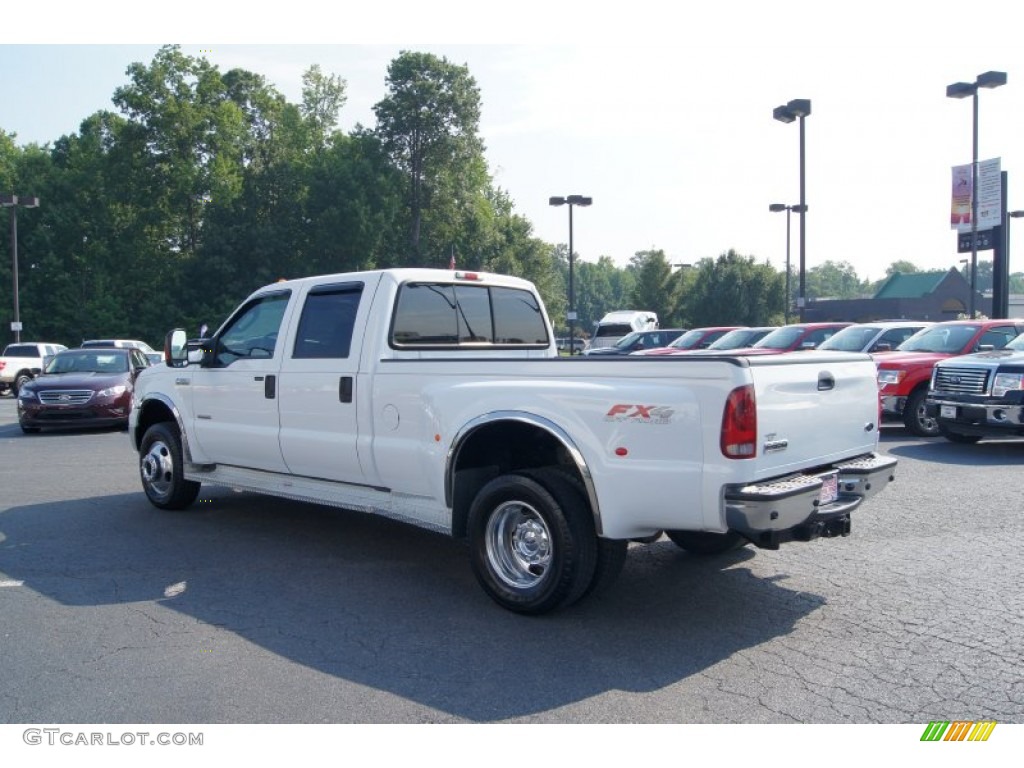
(733, 290)
(902, 267)
(429, 124)
(834, 280)
(322, 97)
(653, 288)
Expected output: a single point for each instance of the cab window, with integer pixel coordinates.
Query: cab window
(328, 317)
(252, 333)
(428, 314)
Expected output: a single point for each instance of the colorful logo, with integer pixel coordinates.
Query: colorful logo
(958, 730)
(640, 414)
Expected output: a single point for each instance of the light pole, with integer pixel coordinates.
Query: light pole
(778, 208)
(571, 200)
(1009, 215)
(787, 113)
(960, 91)
(12, 202)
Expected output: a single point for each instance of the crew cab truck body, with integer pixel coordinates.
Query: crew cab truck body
(905, 373)
(22, 362)
(979, 395)
(437, 398)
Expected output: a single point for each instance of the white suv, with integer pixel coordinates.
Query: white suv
(880, 336)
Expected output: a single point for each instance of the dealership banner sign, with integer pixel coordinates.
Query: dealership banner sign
(990, 196)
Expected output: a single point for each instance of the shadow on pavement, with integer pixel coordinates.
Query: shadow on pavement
(393, 607)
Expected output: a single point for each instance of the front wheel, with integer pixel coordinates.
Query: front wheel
(916, 418)
(162, 470)
(706, 543)
(20, 381)
(533, 547)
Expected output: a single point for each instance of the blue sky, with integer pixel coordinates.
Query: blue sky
(664, 118)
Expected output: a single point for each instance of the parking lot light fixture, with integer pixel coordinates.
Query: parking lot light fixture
(571, 201)
(13, 202)
(798, 109)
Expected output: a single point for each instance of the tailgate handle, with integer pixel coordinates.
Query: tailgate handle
(826, 381)
(345, 389)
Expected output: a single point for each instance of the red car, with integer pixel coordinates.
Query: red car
(82, 388)
(904, 373)
(791, 338)
(697, 338)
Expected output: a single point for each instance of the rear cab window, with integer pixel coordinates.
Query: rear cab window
(452, 316)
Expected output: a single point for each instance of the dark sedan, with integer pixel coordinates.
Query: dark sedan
(637, 340)
(81, 388)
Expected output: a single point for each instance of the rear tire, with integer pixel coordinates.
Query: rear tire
(706, 543)
(162, 469)
(29, 430)
(611, 557)
(532, 542)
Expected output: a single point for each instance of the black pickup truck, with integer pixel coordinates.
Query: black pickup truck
(979, 395)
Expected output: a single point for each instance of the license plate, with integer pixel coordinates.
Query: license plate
(829, 489)
(947, 411)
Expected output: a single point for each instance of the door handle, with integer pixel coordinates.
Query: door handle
(269, 387)
(345, 389)
(826, 381)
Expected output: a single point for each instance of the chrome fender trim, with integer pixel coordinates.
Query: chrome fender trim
(527, 418)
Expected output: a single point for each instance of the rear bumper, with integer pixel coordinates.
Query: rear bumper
(789, 508)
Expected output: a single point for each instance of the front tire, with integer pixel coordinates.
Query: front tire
(20, 381)
(705, 542)
(533, 546)
(916, 418)
(162, 470)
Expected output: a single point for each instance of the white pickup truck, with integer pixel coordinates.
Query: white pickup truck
(21, 362)
(438, 398)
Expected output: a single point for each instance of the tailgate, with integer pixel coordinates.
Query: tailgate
(813, 408)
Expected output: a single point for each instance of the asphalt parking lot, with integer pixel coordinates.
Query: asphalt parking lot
(250, 610)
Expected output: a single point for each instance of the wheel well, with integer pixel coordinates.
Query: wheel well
(153, 412)
(500, 448)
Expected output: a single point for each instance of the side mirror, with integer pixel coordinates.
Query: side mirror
(808, 345)
(174, 348)
(882, 346)
(986, 347)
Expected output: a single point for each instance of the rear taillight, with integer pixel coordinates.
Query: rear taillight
(739, 424)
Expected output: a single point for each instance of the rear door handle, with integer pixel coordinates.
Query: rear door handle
(345, 389)
(270, 387)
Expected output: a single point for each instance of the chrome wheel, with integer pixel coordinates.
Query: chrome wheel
(157, 466)
(519, 545)
(161, 468)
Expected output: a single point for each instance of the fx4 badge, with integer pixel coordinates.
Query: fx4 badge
(640, 414)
